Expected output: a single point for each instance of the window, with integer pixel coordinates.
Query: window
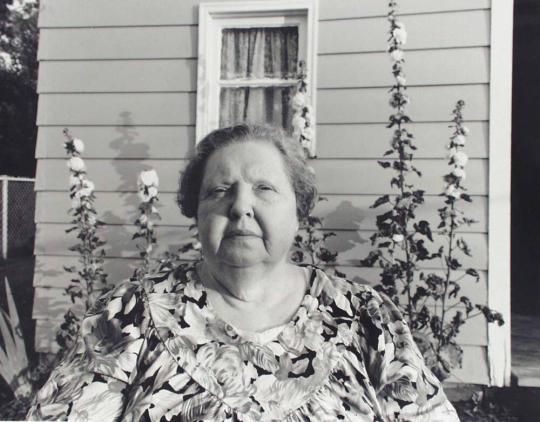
(248, 61)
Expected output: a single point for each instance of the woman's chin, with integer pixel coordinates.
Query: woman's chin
(241, 256)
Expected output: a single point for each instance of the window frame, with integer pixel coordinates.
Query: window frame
(213, 17)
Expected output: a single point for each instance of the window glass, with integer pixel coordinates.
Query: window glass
(257, 75)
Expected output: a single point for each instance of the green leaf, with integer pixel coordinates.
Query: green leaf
(473, 273)
(380, 201)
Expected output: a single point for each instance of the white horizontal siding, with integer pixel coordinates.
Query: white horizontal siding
(434, 30)
(178, 75)
(359, 105)
(51, 239)
(428, 104)
(363, 140)
(161, 42)
(119, 142)
(72, 13)
(446, 30)
(116, 109)
(425, 67)
(341, 212)
(335, 176)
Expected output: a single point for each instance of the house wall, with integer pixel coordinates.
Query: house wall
(122, 76)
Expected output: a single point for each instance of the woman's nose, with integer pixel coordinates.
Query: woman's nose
(242, 203)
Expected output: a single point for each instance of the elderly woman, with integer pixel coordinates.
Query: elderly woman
(244, 334)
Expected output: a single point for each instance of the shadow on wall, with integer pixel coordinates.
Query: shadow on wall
(346, 214)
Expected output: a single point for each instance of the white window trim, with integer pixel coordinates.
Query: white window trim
(215, 16)
(500, 136)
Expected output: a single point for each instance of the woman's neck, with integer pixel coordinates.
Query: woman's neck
(255, 300)
(250, 285)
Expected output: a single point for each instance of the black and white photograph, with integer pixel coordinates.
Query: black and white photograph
(270, 210)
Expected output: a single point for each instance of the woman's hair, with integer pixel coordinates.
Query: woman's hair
(301, 176)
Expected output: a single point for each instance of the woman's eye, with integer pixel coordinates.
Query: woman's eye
(218, 191)
(264, 187)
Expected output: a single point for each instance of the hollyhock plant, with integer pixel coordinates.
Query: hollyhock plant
(438, 339)
(303, 121)
(400, 240)
(147, 183)
(85, 223)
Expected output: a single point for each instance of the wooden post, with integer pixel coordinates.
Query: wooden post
(4, 216)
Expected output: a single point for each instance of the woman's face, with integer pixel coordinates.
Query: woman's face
(247, 206)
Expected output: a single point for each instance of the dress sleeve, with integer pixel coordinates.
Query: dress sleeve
(92, 381)
(406, 389)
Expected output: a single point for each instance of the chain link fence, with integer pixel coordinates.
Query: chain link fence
(17, 207)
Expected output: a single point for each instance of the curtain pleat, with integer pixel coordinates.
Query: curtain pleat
(255, 53)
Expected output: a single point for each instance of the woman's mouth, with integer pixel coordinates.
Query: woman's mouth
(241, 233)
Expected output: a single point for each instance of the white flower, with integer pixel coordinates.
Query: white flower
(87, 187)
(397, 55)
(460, 158)
(73, 181)
(451, 190)
(460, 140)
(76, 164)
(306, 143)
(400, 34)
(459, 172)
(75, 202)
(92, 220)
(149, 225)
(398, 238)
(143, 196)
(197, 245)
(401, 80)
(298, 122)
(78, 145)
(299, 101)
(148, 178)
(465, 130)
(152, 192)
(143, 219)
(308, 133)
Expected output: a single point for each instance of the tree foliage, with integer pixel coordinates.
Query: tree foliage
(18, 80)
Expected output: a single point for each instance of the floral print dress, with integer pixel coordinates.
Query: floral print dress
(156, 351)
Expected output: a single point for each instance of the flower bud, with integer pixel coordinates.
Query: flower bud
(152, 192)
(397, 55)
(460, 140)
(459, 172)
(73, 181)
(299, 101)
(78, 145)
(76, 164)
(148, 178)
(400, 34)
(459, 158)
(401, 80)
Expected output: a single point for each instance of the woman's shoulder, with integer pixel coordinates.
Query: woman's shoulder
(329, 283)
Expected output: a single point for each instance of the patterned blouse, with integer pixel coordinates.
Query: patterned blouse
(156, 351)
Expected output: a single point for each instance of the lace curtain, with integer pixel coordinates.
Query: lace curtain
(257, 53)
